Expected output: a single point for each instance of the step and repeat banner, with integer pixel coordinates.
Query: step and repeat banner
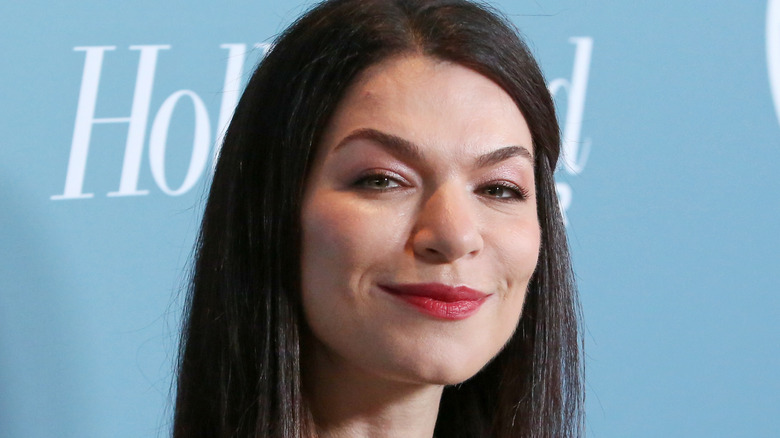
(670, 112)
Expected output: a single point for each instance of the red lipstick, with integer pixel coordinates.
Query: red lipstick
(439, 300)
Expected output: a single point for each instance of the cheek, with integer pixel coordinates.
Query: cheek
(345, 248)
(344, 228)
(518, 250)
(344, 243)
(330, 241)
(328, 262)
(520, 253)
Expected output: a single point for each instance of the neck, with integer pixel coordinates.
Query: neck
(347, 402)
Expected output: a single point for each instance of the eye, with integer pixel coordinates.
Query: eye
(377, 181)
(504, 192)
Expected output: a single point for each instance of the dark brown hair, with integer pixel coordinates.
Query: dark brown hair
(239, 371)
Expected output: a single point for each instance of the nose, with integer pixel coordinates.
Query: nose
(447, 227)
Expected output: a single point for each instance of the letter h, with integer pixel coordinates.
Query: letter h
(85, 119)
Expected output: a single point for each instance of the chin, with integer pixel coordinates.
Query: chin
(446, 371)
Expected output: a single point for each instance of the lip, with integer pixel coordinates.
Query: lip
(439, 300)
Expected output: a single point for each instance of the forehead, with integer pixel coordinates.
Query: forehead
(430, 102)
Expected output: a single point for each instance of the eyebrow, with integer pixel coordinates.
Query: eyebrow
(408, 150)
(397, 145)
(505, 153)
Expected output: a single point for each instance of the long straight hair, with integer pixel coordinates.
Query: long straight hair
(239, 371)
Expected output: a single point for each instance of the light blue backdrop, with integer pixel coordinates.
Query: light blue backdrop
(672, 199)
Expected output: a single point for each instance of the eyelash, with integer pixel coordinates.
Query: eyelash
(363, 181)
(517, 193)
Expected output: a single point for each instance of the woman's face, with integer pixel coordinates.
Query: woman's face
(420, 231)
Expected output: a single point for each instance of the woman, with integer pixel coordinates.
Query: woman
(382, 252)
